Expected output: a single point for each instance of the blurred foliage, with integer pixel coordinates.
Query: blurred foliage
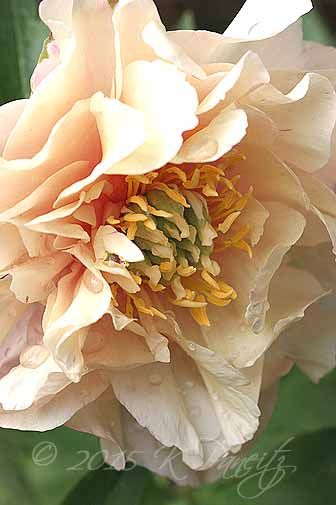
(305, 415)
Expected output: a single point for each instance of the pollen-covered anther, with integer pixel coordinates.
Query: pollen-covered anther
(179, 217)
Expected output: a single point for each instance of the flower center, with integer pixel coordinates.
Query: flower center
(181, 218)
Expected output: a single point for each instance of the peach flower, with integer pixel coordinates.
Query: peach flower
(167, 220)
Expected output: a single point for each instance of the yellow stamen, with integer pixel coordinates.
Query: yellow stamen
(171, 193)
(134, 218)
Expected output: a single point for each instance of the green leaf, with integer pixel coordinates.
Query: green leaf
(130, 489)
(14, 485)
(106, 486)
(302, 407)
(303, 475)
(94, 488)
(21, 38)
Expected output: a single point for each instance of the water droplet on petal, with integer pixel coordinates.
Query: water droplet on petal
(34, 356)
(258, 325)
(92, 282)
(155, 379)
(192, 347)
(190, 384)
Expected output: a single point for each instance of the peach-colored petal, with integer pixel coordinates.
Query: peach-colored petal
(65, 334)
(113, 119)
(9, 116)
(86, 68)
(169, 106)
(79, 125)
(12, 247)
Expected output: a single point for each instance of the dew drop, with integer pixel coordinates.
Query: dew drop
(190, 384)
(258, 325)
(192, 347)
(34, 356)
(92, 282)
(155, 379)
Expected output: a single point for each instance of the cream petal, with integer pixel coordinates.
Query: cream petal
(255, 216)
(318, 56)
(33, 280)
(320, 195)
(237, 406)
(262, 19)
(292, 292)
(259, 121)
(101, 418)
(243, 334)
(9, 116)
(283, 50)
(283, 229)
(110, 349)
(141, 448)
(310, 343)
(155, 35)
(271, 178)
(59, 409)
(118, 244)
(301, 140)
(150, 394)
(138, 14)
(248, 74)
(10, 309)
(21, 328)
(198, 45)
(218, 138)
(154, 338)
(24, 386)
